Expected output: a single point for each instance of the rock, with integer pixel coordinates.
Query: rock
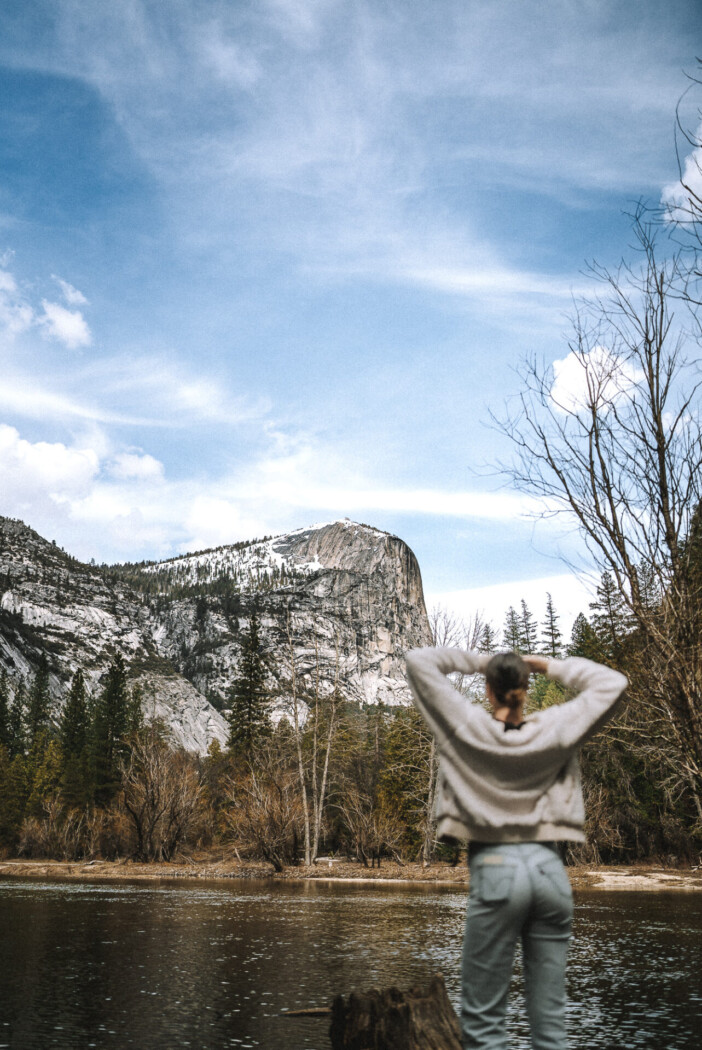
(339, 603)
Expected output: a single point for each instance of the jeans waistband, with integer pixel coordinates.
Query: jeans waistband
(474, 848)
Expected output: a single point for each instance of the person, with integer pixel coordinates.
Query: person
(510, 785)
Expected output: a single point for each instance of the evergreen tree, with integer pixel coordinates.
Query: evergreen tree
(609, 618)
(14, 792)
(528, 631)
(249, 703)
(74, 734)
(44, 765)
(512, 633)
(551, 637)
(39, 702)
(16, 733)
(584, 640)
(109, 732)
(545, 693)
(488, 639)
(5, 731)
(135, 710)
(73, 728)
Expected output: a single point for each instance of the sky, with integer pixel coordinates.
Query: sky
(271, 263)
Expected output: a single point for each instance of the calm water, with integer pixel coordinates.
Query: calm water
(210, 966)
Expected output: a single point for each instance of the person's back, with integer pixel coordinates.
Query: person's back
(511, 786)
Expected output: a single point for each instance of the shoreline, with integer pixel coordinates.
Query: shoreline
(582, 877)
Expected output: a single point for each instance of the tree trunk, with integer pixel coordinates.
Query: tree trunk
(420, 1019)
(429, 824)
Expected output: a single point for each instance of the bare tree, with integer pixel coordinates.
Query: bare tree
(619, 449)
(299, 714)
(313, 711)
(323, 717)
(372, 829)
(266, 816)
(162, 793)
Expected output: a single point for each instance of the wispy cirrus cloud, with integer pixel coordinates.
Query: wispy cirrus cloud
(72, 295)
(261, 105)
(125, 389)
(65, 326)
(154, 392)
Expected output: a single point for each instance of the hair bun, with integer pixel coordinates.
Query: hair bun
(515, 697)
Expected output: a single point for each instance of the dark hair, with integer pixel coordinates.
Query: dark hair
(508, 677)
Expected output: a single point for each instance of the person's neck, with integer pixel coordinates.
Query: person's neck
(514, 715)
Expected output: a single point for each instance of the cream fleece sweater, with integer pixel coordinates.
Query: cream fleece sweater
(516, 786)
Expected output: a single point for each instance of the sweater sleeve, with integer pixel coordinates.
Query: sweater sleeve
(442, 706)
(599, 690)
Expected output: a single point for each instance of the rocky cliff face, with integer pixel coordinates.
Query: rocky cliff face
(79, 616)
(338, 604)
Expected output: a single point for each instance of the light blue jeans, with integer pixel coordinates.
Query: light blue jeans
(517, 891)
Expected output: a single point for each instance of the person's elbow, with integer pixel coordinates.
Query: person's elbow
(415, 658)
(620, 683)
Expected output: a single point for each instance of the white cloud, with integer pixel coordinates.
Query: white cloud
(211, 521)
(72, 296)
(66, 326)
(8, 285)
(21, 395)
(128, 390)
(571, 595)
(32, 472)
(597, 377)
(682, 199)
(16, 315)
(496, 281)
(137, 465)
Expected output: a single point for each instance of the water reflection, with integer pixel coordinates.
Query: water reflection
(213, 965)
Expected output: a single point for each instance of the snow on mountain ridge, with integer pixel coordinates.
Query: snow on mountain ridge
(249, 562)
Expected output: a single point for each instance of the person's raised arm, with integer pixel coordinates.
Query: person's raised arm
(599, 690)
(442, 706)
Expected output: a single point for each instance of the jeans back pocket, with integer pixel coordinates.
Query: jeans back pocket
(556, 876)
(495, 879)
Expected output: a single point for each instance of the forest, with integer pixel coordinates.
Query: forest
(329, 777)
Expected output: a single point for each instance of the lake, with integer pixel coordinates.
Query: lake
(211, 965)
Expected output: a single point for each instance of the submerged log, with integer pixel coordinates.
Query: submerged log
(388, 1019)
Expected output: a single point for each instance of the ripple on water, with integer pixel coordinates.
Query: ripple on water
(214, 965)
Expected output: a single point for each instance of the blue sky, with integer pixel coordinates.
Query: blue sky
(271, 263)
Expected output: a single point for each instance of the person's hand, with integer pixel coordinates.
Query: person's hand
(536, 664)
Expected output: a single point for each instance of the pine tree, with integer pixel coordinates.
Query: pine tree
(14, 791)
(109, 732)
(44, 765)
(249, 703)
(16, 732)
(545, 693)
(488, 639)
(512, 634)
(584, 640)
(528, 633)
(135, 710)
(39, 702)
(5, 731)
(74, 734)
(551, 637)
(609, 618)
(73, 727)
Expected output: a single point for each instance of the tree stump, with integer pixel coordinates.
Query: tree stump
(388, 1019)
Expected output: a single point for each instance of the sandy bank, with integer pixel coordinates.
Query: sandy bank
(638, 877)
